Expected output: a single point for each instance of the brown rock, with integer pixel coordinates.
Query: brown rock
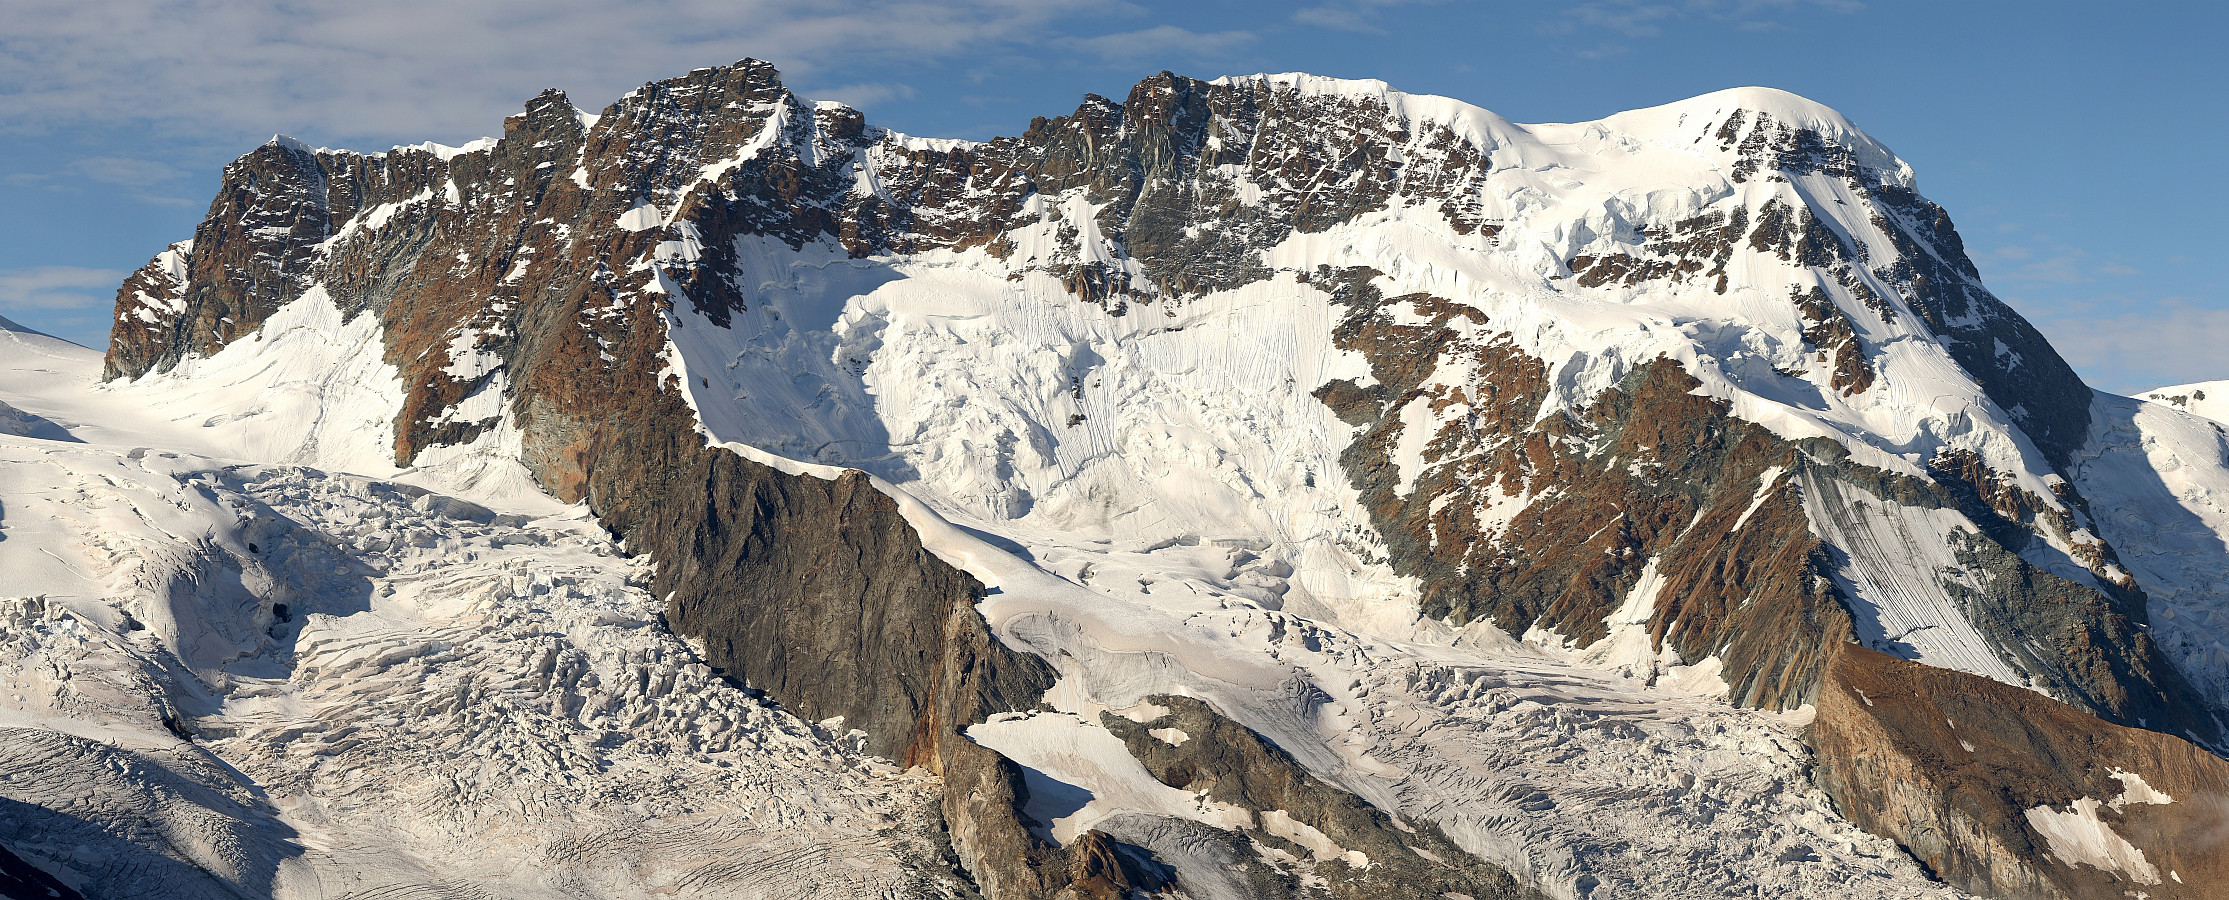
(1959, 769)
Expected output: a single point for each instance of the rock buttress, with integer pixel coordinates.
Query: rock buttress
(1990, 785)
(815, 591)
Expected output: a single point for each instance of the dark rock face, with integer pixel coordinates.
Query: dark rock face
(815, 591)
(146, 305)
(866, 643)
(1652, 479)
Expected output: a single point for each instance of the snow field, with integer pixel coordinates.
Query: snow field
(388, 689)
(2077, 836)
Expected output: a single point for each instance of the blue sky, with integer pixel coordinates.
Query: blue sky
(2077, 145)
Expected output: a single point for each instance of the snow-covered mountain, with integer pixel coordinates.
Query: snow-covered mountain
(1273, 486)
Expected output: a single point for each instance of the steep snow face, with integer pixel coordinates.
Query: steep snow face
(384, 688)
(1758, 239)
(2205, 398)
(312, 387)
(1571, 201)
(2158, 481)
(1903, 580)
(308, 388)
(1112, 446)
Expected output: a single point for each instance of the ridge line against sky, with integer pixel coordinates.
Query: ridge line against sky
(2038, 126)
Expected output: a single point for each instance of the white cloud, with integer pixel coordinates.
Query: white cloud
(865, 94)
(337, 70)
(2048, 262)
(2061, 269)
(135, 176)
(57, 287)
(1636, 20)
(2149, 345)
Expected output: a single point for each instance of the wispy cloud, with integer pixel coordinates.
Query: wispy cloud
(57, 287)
(1633, 20)
(1337, 18)
(135, 176)
(408, 69)
(866, 93)
(125, 171)
(1357, 16)
(2142, 344)
(1645, 19)
(1164, 41)
(2042, 261)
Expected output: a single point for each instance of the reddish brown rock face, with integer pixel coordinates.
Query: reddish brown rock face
(146, 308)
(1988, 785)
(1650, 476)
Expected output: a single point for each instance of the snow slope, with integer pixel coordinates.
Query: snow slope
(1153, 499)
(1059, 426)
(1051, 422)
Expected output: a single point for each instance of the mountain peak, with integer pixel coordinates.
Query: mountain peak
(287, 142)
(1223, 399)
(1744, 119)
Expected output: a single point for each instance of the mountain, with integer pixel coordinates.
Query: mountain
(1269, 486)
